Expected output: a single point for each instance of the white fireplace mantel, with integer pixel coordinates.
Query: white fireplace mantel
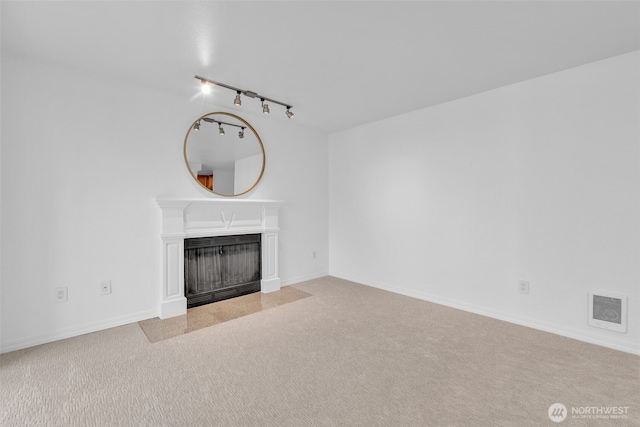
(188, 218)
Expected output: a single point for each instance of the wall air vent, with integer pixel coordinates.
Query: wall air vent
(608, 311)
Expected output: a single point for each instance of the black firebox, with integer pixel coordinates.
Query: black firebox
(221, 267)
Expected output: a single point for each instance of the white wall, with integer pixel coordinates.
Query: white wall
(246, 172)
(81, 164)
(536, 181)
(224, 181)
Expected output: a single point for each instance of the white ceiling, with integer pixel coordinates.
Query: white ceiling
(340, 64)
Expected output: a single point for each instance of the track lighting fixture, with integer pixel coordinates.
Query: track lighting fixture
(238, 102)
(196, 126)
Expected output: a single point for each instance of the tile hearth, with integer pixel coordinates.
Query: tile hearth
(222, 311)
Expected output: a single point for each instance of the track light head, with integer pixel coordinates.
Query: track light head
(265, 107)
(237, 102)
(288, 112)
(196, 125)
(220, 130)
(241, 133)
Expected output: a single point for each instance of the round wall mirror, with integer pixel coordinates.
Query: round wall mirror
(224, 154)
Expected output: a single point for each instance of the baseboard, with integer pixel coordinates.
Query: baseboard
(304, 278)
(19, 344)
(270, 285)
(507, 317)
(76, 331)
(173, 307)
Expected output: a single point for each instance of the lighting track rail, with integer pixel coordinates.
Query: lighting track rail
(196, 126)
(237, 102)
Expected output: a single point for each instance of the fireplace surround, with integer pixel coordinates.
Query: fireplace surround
(191, 218)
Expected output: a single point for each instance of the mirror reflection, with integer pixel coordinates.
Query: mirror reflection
(224, 153)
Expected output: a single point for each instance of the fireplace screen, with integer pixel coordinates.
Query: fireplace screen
(222, 267)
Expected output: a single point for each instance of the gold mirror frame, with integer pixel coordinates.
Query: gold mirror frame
(248, 126)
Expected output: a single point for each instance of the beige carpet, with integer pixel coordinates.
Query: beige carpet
(348, 355)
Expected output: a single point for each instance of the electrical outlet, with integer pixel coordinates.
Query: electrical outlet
(523, 286)
(105, 287)
(61, 294)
